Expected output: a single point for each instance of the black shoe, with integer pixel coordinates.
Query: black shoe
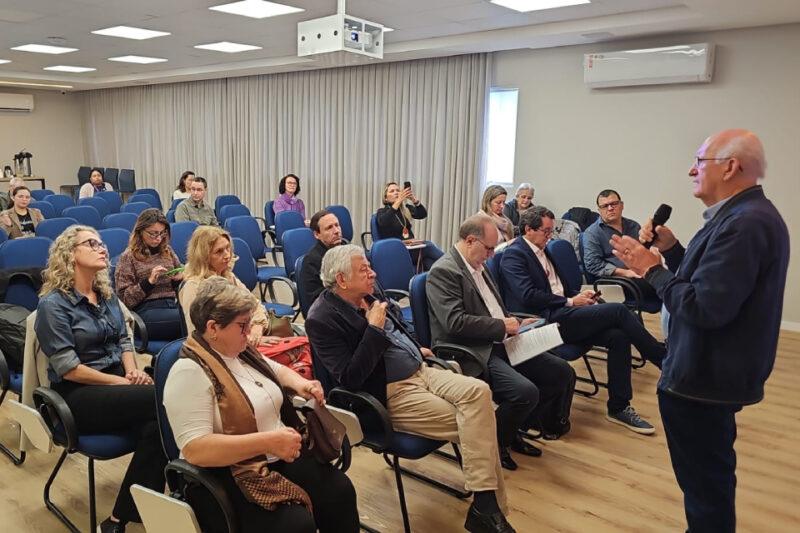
(525, 448)
(557, 433)
(506, 461)
(108, 526)
(478, 522)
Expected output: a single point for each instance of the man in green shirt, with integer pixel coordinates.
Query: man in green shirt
(194, 207)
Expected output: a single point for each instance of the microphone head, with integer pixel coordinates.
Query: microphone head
(661, 215)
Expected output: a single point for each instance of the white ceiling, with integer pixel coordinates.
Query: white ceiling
(424, 28)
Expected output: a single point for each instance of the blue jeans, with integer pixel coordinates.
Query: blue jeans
(162, 318)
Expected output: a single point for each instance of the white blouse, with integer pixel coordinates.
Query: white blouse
(192, 406)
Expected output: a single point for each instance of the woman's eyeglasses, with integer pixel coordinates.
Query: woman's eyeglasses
(94, 244)
(157, 234)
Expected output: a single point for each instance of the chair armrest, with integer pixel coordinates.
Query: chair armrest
(263, 224)
(180, 473)
(140, 327)
(364, 239)
(440, 363)
(628, 286)
(295, 297)
(57, 415)
(460, 353)
(371, 415)
(5, 373)
(397, 294)
(299, 329)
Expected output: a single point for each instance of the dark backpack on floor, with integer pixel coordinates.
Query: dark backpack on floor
(12, 333)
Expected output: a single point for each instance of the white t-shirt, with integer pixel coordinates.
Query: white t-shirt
(178, 194)
(192, 406)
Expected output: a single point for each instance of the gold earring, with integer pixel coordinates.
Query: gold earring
(214, 338)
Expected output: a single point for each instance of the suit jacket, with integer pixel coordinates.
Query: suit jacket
(456, 309)
(15, 229)
(526, 288)
(312, 265)
(348, 347)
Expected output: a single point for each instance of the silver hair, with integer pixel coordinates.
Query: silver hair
(338, 260)
(524, 187)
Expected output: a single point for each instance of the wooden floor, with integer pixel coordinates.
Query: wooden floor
(599, 478)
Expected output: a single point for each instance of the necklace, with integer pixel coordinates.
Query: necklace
(249, 376)
(402, 222)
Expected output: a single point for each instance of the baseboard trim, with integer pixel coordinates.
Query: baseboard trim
(790, 326)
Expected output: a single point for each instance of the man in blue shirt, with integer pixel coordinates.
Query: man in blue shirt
(724, 293)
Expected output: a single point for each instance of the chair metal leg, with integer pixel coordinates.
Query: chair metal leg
(591, 379)
(458, 493)
(16, 459)
(49, 504)
(368, 529)
(401, 493)
(92, 501)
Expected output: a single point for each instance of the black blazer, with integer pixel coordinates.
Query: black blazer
(391, 221)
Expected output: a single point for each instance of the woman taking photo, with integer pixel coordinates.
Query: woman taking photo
(228, 412)
(400, 206)
(289, 188)
(494, 198)
(182, 192)
(95, 185)
(81, 329)
(145, 276)
(20, 221)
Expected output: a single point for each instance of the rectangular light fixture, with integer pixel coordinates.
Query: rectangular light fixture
(129, 32)
(142, 60)
(67, 68)
(228, 47)
(537, 5)
(387, 29)
(4, 61)
(44, 49)
(31, 84)
(257, 9)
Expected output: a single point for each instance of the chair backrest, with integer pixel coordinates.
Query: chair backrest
(175, 202)
(120, 220)
(245, 267)
(151, 192)
(296, 242)
(180, 235)
(25, 253)
(47, 209)
(127, 180)
(116, 239)
(302, 299)
(3, 236)
(83, 175)
(98, 203)
(84, 214)
(111, 176)
(246, 228)
(493, 264)
(170, 216)
(147, 198)
(223, 200)
(286, 220)
(59, 202)
(53, 227)
(112, 198)
(135, 207)
(39, 194)
(269, 212)
(590, 278)
(232, 210)
(345, 220)
(419, 308)
(373, 228)
(162, 364)
(562, 254)
(392, 264)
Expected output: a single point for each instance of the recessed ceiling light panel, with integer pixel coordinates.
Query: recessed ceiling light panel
(32, 84)
(387, 29)
(142, 60)
(4, 61)
(67, 68)
(257, 9)
(537, 5)
(230, 48)
(44, 49)
(128, 32)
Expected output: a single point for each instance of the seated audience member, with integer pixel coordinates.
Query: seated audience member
(289, 188)
(228, 411)
(366, 347)
(95, 185)
(195, 208)
(465, 308)
(597, 256)
(523, 199)
(5, 197)
(141, 278)
(210, 253)
(20, 221)
(183, 186)
(328, 233)
(531, 284)
(394, 221)
(81, 329)
(492, 204)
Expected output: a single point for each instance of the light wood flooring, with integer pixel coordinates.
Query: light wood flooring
(599, 478)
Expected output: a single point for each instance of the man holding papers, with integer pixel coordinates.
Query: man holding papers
(465, 308)
(531, 284)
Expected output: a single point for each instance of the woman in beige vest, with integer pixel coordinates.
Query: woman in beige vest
(20, 221)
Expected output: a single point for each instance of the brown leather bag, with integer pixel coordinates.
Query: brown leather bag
(324, 434)
(278, 326)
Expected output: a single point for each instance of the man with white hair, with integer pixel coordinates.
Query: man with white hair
(5, 197)
(366, 346)
(724, 293)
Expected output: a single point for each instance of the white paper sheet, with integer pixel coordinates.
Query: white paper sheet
(531, 343)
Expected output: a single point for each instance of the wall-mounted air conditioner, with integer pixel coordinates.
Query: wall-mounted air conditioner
(686, 63)
(16, 102)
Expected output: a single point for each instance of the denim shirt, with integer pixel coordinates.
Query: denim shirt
(402, 358)
(597, 256)
(72, 331)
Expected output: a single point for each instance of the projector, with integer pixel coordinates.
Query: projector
(335, 34)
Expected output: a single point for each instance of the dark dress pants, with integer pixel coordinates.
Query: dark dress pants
(162, 318)
(700, 438)
(102, 409)
(536, 393)
(613, 326)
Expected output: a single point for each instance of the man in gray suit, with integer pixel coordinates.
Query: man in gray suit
(465, 308)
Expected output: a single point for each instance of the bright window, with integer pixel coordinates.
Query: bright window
(501, 136)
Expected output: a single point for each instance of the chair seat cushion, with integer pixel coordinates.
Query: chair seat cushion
(106, 446)
(154, 346)
(265, 273)
(410, 446)
(570, 352)
(280, 309)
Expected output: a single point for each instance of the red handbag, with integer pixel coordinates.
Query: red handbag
(292, 352)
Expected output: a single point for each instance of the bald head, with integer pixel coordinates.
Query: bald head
(744, 146)
(727, 163)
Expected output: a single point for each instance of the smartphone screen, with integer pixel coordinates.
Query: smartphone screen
(407, 185)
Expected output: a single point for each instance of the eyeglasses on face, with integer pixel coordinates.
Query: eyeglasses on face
(545, 231)
(156, 234)
(698, 159)
(615, 204)
(94, 244)
(246, 326)
(488, 249)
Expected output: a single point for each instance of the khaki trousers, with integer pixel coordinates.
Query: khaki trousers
(444, 405)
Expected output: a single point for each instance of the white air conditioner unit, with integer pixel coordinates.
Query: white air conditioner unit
(16, 102)
(686, 63)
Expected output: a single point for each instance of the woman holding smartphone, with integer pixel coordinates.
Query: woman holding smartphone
(147, 276)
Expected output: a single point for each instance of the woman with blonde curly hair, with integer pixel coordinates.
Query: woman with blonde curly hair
(80, 325)
(493, 202)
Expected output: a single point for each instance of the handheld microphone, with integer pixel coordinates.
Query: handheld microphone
(659, 219)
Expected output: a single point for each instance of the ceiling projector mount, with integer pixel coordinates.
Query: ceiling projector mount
(336, 37)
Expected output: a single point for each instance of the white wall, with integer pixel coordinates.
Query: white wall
(573, 142)
(52, 132)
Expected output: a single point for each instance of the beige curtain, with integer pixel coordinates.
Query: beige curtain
(344, 131)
